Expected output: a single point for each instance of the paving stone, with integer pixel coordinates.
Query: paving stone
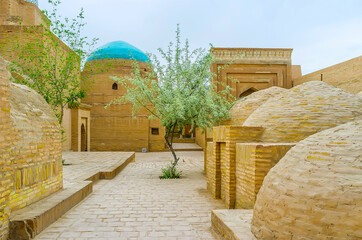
(136, 204)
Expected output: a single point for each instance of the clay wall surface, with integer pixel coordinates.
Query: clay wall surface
(30, 148)
(253, 162)
(346, 75)
(314, 191)
(114, 128)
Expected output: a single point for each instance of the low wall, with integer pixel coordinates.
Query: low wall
(221, 170)
(253, 162)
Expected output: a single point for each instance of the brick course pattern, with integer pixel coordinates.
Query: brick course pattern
(304, 110)
(114, 128)
(246, 106)
(31, 166)
(221, 172)
(346, 75)
(253, 162)
(314, 192)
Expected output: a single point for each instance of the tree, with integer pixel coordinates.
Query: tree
(52, 58)
(179, 92)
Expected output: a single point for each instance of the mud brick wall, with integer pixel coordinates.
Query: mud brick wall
(222, 170)
(346, 75)
(253, 162)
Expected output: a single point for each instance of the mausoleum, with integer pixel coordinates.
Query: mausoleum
(114, 128)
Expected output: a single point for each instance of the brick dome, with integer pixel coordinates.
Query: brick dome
(314, 192)
(305, 110)
(246, 106)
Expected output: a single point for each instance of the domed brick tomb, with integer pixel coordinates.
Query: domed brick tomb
(304, 110)
(314, 192)
(246, 106)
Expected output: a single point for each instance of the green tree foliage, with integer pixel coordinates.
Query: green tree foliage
(53, 59)
(180, 90)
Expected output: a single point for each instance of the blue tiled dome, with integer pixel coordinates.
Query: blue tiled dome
(118, 50)
(33, 1)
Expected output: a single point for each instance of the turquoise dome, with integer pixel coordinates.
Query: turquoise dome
(33, 1)
(118, 50)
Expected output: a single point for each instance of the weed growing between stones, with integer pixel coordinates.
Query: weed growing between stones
(166, 172)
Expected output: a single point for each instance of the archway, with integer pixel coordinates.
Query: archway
(83, 139)
(247, 92)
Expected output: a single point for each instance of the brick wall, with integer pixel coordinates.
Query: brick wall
(221, 172)
(253, 162)
(30, 148)
(346, 75)
(114, 128)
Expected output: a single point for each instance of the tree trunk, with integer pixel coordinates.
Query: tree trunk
(169, 144)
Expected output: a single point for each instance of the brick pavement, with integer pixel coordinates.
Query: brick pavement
(138, 205)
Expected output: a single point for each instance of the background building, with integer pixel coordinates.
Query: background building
(114, 128)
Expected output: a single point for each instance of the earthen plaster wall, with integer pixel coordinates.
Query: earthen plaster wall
(346, 75)
(314, 192)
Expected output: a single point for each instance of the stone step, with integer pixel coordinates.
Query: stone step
(28, 222)
(233, 224)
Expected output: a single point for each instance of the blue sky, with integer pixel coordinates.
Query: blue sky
(321, 32)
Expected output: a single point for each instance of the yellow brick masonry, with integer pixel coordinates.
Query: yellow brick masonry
(6, 183)
(253, 162)
(221, 174)
(304, 110)
(346, 75)
(36, 148)
(314, 192)
(30, 148)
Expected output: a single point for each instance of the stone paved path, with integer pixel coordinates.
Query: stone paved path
(138, 205)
